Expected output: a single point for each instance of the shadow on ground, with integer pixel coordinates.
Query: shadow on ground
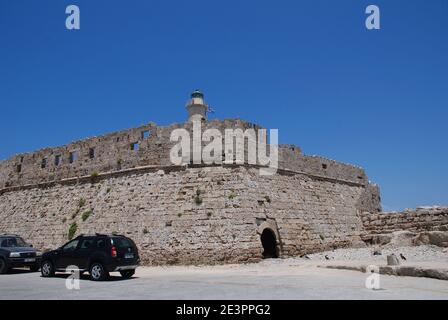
(12, 272)
(86, 277)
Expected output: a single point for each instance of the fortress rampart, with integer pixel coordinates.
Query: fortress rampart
(147, 145)
(124, 182)
(158, 209)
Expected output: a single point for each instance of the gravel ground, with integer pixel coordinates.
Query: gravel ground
(423, 253)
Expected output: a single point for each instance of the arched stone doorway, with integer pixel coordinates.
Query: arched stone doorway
(269, 242)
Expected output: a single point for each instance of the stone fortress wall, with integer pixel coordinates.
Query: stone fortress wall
(159, 210)
(417, 220)
(186, 214)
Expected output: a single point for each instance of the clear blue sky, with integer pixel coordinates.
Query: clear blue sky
(378, 99)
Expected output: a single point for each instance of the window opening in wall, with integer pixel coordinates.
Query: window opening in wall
(73, 156)
(19, 168)
(134, 146)
(21, 159)
(92, 153)
(57, 160)
(44, 163)
(146, 134)
(324, 166)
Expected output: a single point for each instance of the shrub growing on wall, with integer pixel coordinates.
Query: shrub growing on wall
(72, 230)
(86, 215)
(198, 198)
(81, 202)
(94, 177)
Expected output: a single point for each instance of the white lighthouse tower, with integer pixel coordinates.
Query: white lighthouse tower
(196, 106)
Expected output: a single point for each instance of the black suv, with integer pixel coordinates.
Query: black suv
(16, 253)
(98, 254)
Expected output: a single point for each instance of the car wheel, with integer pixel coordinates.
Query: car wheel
(97, 272)
(34, 268)
(3, 267)
(127, 273)
(47, 269)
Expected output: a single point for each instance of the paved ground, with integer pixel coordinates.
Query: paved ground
(271, 279)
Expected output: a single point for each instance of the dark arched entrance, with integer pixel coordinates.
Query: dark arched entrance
(269, 242)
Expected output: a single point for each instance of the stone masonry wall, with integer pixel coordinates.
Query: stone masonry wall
(157, 207)
(420, 219)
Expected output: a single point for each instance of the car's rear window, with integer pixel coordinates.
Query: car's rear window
(101, 243)
(122, 242)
